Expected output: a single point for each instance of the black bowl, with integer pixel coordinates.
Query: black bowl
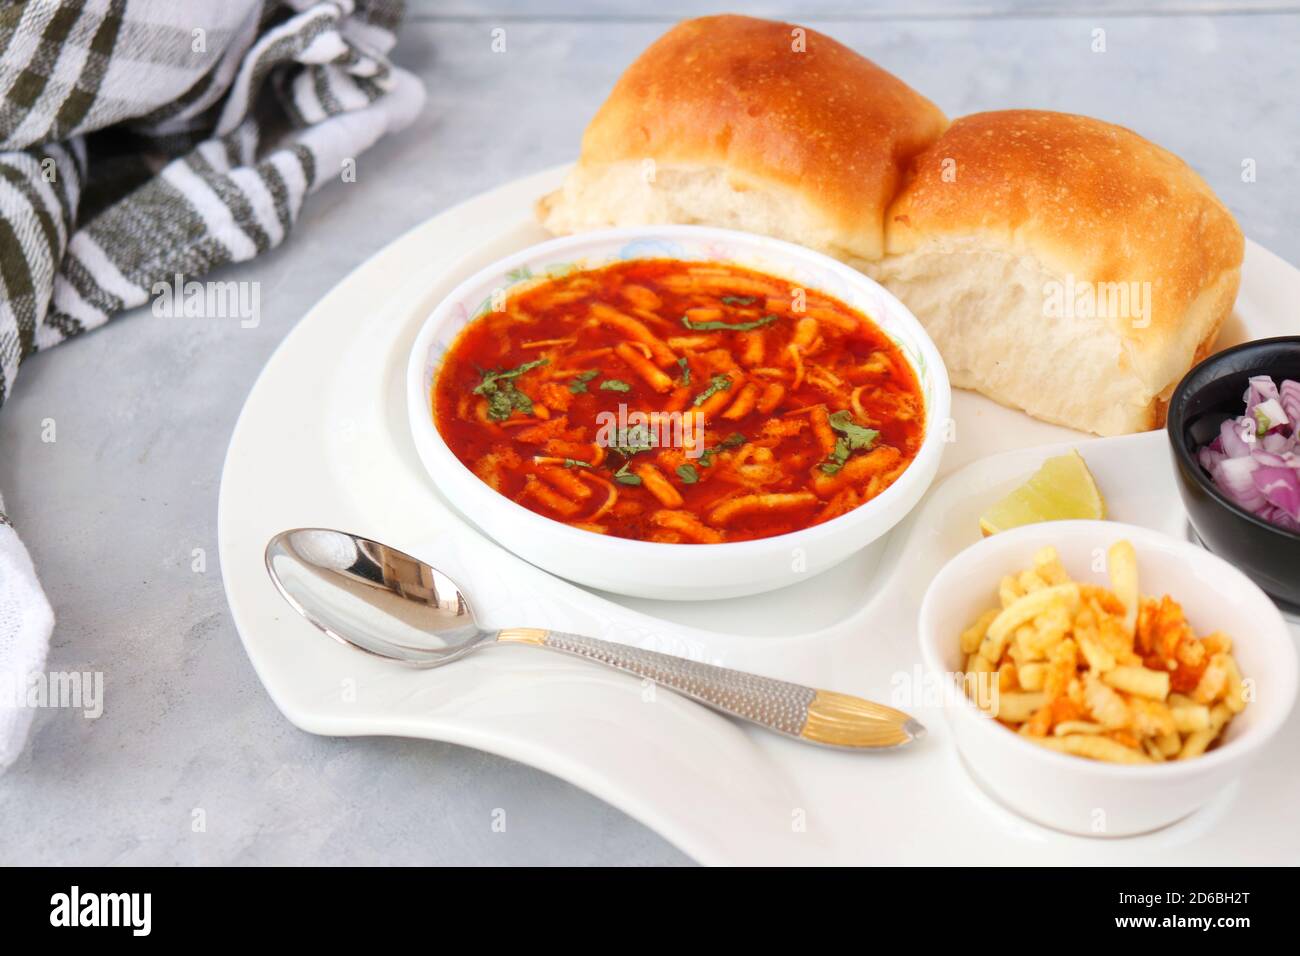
(1210, 394)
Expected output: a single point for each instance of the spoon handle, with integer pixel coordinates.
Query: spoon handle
(804, 713)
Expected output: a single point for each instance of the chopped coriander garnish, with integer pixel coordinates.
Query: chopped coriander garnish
(688, 474)
(734, 440)
(498, 387)
(633, 440)
(502, 402)
(716, 326)
(625, 477)
(614, 385)
(719, 383)
(858, 436)
(491, 378)
(854, 437)
(837, 457)
(738, 300)
(578, 384)
(685, 366)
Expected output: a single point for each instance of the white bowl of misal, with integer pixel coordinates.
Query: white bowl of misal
(1107, 679)
(677, 412)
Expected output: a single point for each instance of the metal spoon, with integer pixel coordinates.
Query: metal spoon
(389, 604)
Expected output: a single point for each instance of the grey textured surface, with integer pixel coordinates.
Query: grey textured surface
(114, 508)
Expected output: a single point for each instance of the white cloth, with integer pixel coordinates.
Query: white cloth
(26, 621)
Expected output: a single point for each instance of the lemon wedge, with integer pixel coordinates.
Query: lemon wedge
(1062, 489)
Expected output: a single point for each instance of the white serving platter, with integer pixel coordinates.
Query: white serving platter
(323, 440)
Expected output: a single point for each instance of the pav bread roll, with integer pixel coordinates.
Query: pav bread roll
(754, 125)
(1062, 265)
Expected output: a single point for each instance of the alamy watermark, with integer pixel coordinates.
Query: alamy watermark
(921, 688)
(75, 690)
(642, 431)
(75, 908)
(208, 300)
(1072, 299)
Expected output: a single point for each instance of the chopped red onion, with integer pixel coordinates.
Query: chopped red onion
(1281, 486)
(1276, 442)
(1259, 388)
(1255, 459)
(1280, 518)
(1234, 476)
(1236, 434)
(1289, 396)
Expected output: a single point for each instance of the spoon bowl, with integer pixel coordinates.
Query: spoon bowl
(373, 597)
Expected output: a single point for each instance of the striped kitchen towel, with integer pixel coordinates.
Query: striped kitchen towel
(145, 139)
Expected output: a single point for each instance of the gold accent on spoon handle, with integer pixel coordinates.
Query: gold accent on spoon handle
(804, 713)
(522, 635)
(841, 720)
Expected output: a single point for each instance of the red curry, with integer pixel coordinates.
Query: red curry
(674, 401)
